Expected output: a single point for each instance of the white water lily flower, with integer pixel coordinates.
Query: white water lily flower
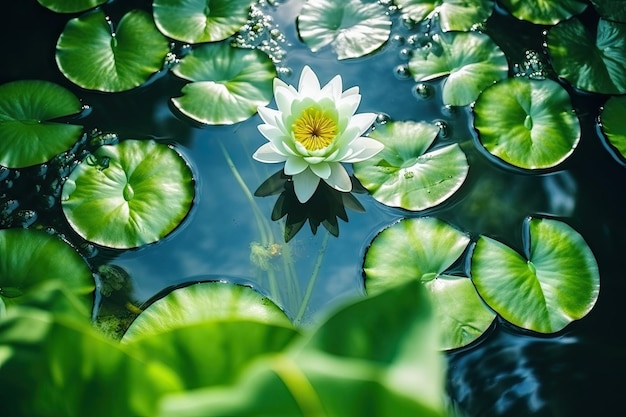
(314, 130)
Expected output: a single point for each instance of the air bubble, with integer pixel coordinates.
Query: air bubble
(24, 218)
(398, 40)
(8, 207)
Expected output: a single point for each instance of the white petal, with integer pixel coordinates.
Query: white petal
(267, 153)
(363, 121)
(364, 148)
(271, 133)
(351, 91)
(339, 178)
(322, 170)
(305, 184)
(295, 165)
(332, 90)
(347, 106)
(284, 97)
(278, 83)
(269, 116)
(309, 84)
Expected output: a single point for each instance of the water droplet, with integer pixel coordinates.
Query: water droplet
(128, 192)
(423, 91)
(405, 53)
(449, 110)
(398, 39)
(528, 122)
(381, 119)
(402, 72)
(444, 130)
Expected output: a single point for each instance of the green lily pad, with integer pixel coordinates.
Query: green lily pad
(230, 343)
(127, 195)
(556, 282)
(29, 135)
(527, 123)
(423, 249)
(97, 56)
(460, 313)
(613, 123)
(458, 15)
(611, 9)
(41, 270)
(70, 6)
(590, 60)
(203, 302)
(404, 174)
(470, 60)
(198, 21)
(228, 84)
(545, 12)
(353, 28)
(419, 248)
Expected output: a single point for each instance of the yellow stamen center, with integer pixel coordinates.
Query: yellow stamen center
(314, 129)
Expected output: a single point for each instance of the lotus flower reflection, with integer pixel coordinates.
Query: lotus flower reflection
(313, 131)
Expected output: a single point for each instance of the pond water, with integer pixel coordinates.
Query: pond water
(229, 234)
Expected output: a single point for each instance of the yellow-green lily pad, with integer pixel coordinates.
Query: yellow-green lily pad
(527, 123)
(408, 172)
(555, 281)
(127, 195)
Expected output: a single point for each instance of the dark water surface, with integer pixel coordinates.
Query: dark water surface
(509, 372)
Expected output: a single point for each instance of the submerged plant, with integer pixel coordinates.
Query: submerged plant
(313, 130)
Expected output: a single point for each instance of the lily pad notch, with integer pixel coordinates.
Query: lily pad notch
(555, 281)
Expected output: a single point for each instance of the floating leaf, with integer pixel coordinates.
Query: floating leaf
(404, 174)
(384, 346)
(53, 366)
(527, 123)
(128, 195)
(204, 302)
(611, 9)
(461, 314)
(458, 15)
(43, 271)
(557, 283)
(545, 12)
(471, 60)
(198, 21)
(70, 6)
(228, 84)
(212, 352)
(422, 249)
(613, 123)
(590, 60)
(29, 133)
(412, 249)
(354, 27)
(94, 55)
